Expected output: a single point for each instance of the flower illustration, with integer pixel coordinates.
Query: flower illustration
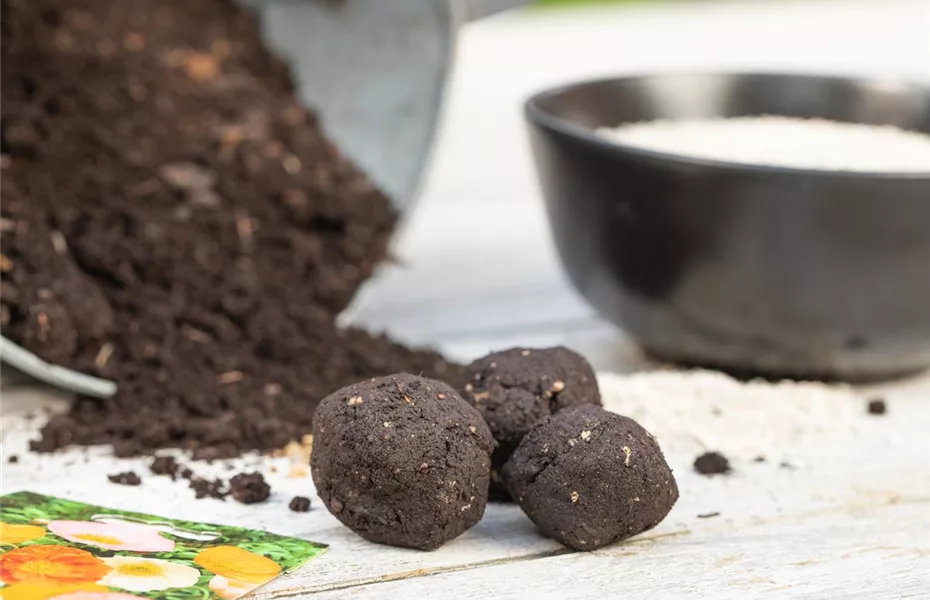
(17, 534)
(50, 565)
(96, 596)
(238, 564)
(147, 574)
(134, 537)
(44, 591)
(230, 589)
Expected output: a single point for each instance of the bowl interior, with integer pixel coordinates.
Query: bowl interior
(608, 103)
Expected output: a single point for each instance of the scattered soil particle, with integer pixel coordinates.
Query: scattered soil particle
(249, 488)
(209, 488)
(877, 406)
(126, 478)
(299, 504)
(708, 515)
(165, 465)
(174, 220)
(712, 463)
(786, 465)
(759, 459)
(13, 459)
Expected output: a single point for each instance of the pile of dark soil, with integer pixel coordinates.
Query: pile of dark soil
(174, 220)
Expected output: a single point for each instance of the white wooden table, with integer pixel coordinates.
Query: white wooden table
(850, 518)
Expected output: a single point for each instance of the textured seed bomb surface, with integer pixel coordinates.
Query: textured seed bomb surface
(513, 389)
(401, 460)
(588, 477)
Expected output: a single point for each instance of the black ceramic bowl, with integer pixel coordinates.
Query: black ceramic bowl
(782, 271)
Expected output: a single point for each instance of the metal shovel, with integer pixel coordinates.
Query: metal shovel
(375, 70)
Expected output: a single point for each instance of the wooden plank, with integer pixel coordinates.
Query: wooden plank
(844, 462)
(850, 554)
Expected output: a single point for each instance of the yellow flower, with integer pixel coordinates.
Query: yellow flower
(230, 589)
(17, 534)
(44, 591)
(147, 574)
(235, 563)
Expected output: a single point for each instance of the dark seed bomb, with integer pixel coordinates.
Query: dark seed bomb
(513, 389)
(401, 460)
(588, 477)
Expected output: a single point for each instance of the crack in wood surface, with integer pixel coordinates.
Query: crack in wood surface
(425, 572)
(647, 539)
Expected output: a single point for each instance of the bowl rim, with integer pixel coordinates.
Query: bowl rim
(536, 115)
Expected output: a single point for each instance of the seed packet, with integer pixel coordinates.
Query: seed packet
(52, 548)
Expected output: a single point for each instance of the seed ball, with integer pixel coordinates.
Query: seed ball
(401, 460)
(588, 477)
(513, 389)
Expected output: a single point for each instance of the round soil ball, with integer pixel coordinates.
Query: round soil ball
(514, 389)
(588, 477)
(401, 460)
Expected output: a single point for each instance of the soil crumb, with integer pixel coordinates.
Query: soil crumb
(249, 488)
(165, 465)
(209, 488)
(712, 463)
(877, 406)
(126, 478)
(299, 504)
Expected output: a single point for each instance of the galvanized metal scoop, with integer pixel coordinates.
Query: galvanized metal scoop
(19, 358)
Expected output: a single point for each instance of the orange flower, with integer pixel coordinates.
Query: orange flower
(235, 563)
(51, 565)
(42, 591)
(17, 534)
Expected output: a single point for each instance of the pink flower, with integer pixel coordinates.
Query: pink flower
(134, 537)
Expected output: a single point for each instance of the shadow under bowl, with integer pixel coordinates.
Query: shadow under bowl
(782, 271)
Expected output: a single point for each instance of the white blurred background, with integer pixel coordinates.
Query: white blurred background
(477, 269)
